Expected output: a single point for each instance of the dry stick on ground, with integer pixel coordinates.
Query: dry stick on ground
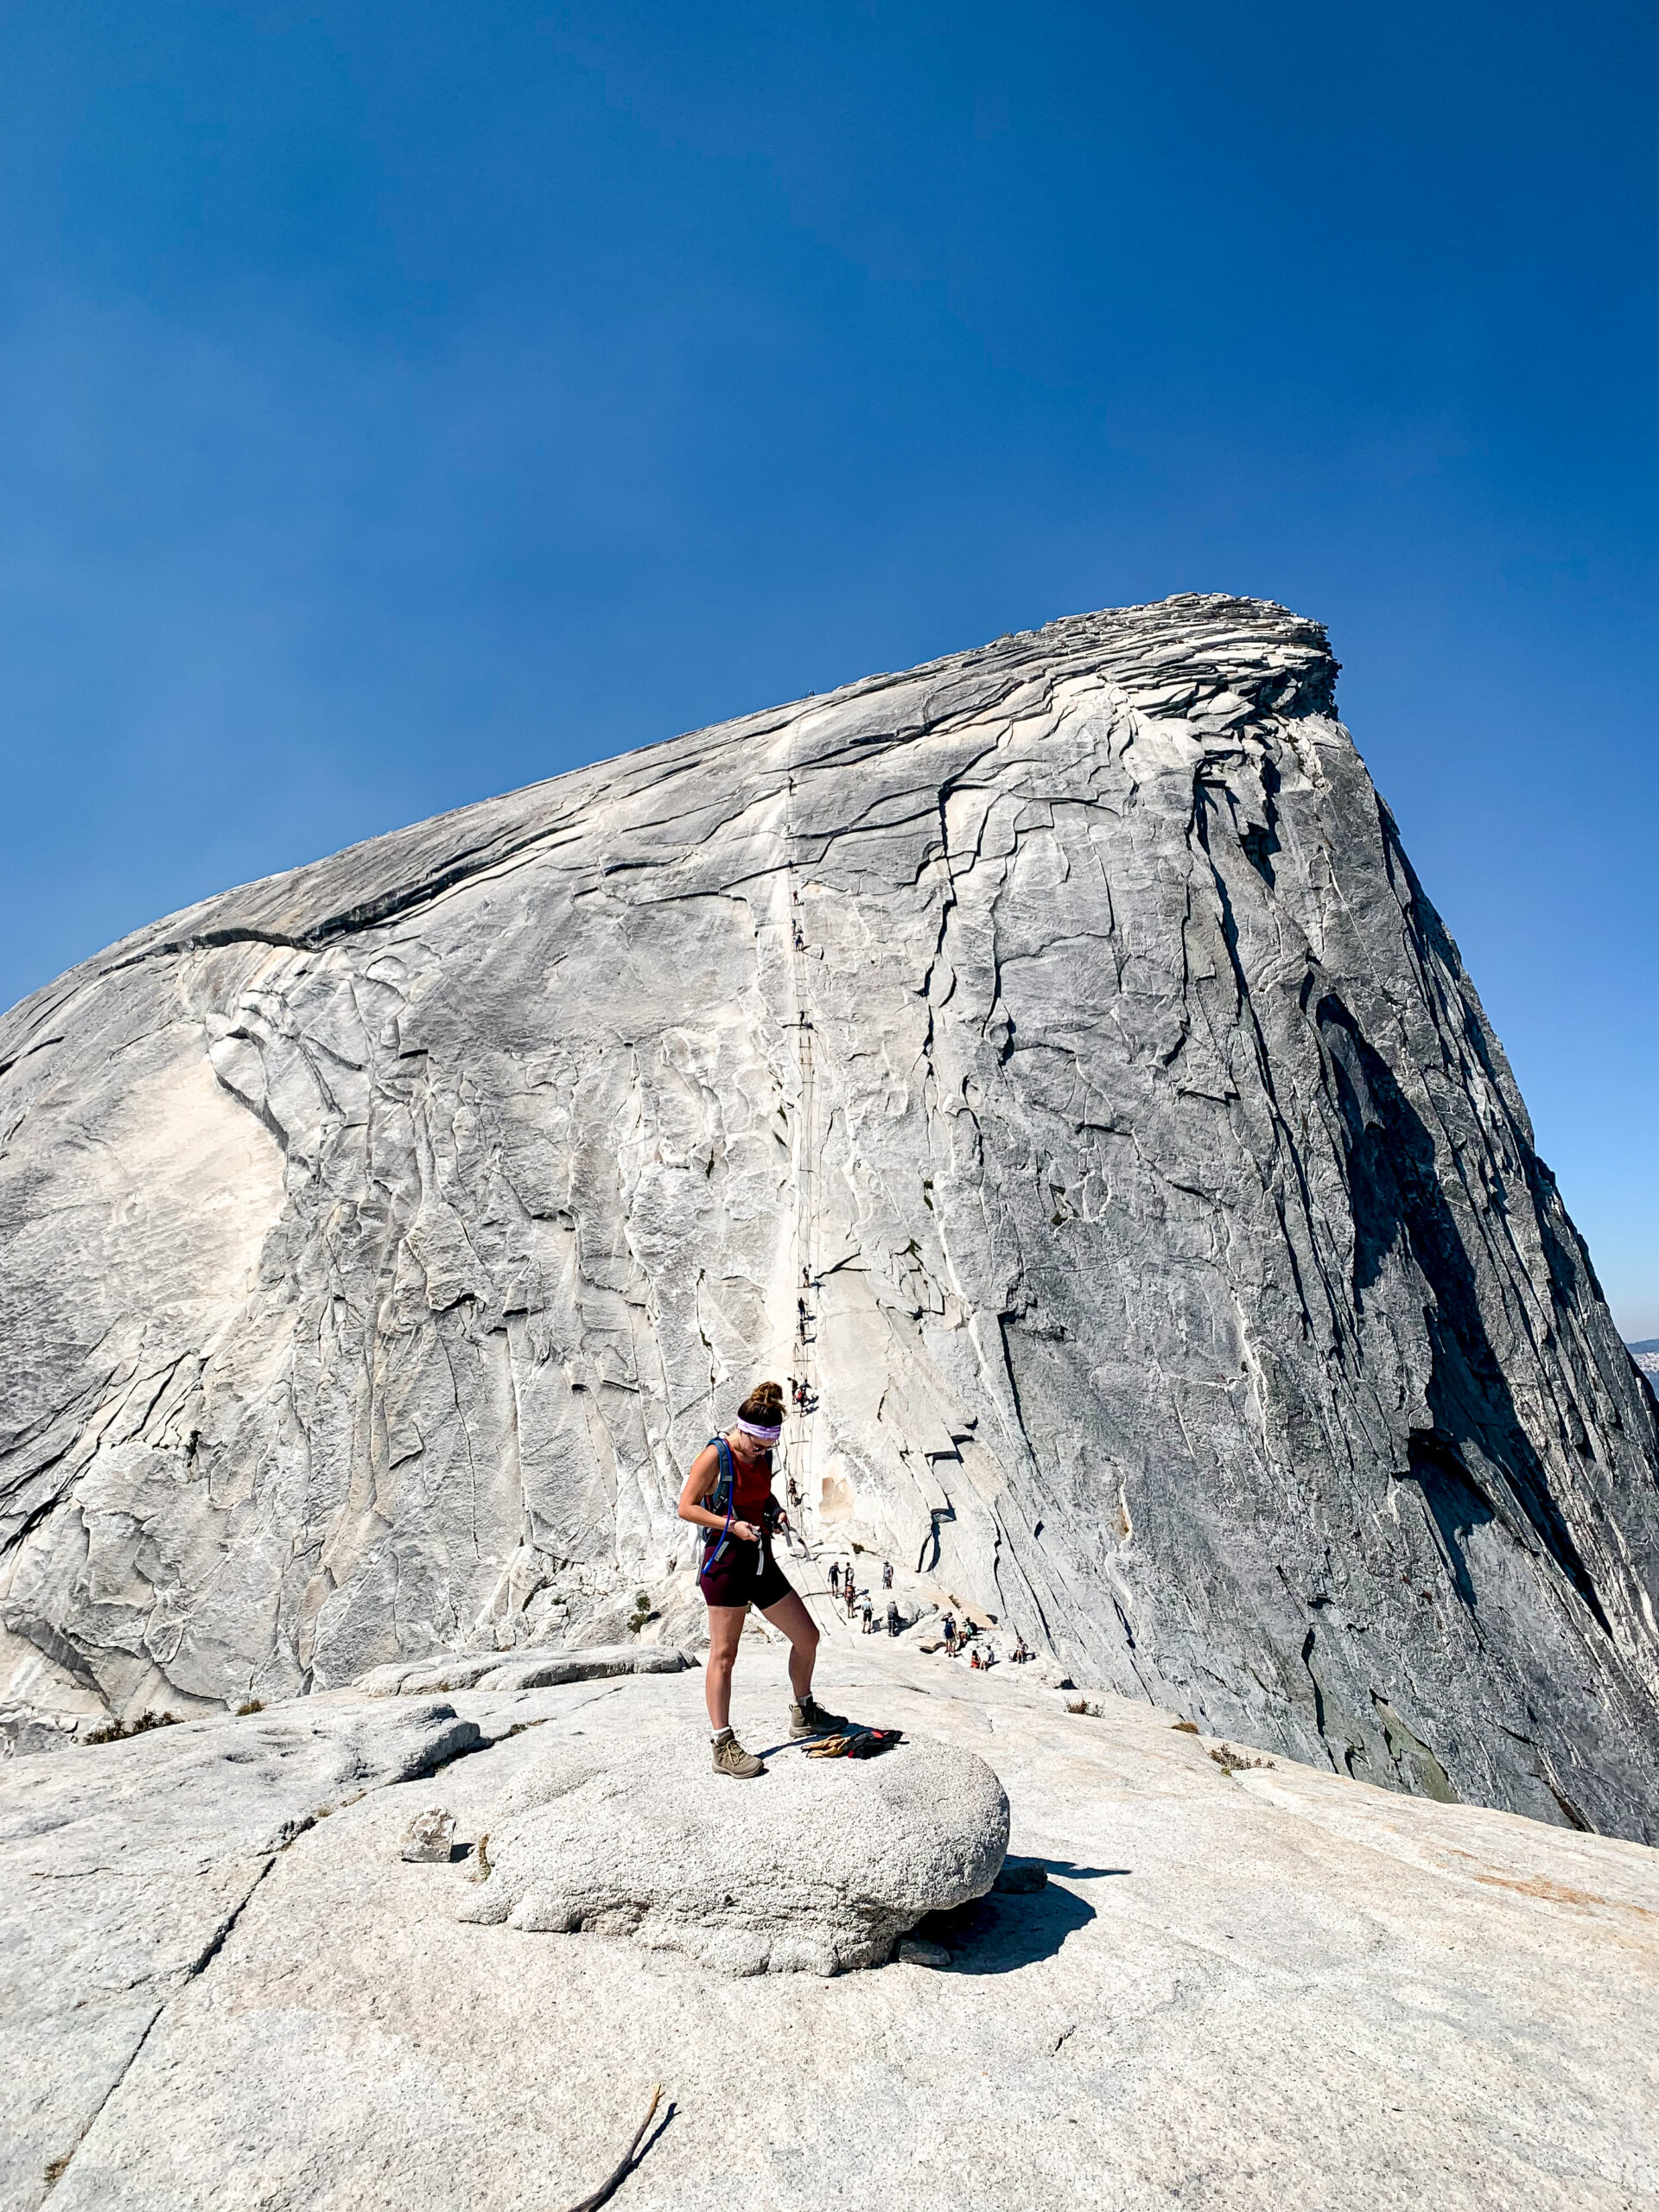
(608, 2188)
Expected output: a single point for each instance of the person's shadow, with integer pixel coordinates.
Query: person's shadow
(802, 1745)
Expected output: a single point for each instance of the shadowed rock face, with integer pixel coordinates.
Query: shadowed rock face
(1057, 1036)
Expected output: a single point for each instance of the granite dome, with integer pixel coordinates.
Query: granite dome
(1048, 1054)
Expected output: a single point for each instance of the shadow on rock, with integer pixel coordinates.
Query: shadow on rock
(1068, 1869)
(635, 2156)
(1000, 1934)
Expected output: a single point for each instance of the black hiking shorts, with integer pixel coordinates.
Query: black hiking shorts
(744, 1574)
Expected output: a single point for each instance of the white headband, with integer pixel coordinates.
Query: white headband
(753, 1428)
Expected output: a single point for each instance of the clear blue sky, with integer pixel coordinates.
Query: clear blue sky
(405, 402)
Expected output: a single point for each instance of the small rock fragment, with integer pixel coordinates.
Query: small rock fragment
(1020, 1876)
(429, 1838)
(913, 1953)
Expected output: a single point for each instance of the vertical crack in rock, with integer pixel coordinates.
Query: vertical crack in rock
(196, 1967)
(126, 1870)
(1048, 1054)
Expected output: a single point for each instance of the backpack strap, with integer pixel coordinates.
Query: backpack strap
(722, 1499)
(725, 1487)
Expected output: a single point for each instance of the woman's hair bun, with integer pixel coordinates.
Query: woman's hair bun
(764, 1406)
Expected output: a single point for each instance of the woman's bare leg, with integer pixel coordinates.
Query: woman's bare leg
(725, 1626)
(792, 1616)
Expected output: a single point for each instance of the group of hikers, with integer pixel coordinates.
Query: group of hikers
(727, 1495)
(859, 1603)
(958, 1640)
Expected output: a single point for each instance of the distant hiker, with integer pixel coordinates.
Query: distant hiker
(950, 1634)
(794, 1492)
(727, 1494)
(869, 1619)
(893, 1618)
(887, 1574)
(973, 1660)
(834, 1576)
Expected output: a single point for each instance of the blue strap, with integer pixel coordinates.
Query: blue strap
(727, 1482)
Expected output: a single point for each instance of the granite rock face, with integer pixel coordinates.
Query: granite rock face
(815, 1867)
(1048, 1054)
(1240, 1988)
(126, 1866)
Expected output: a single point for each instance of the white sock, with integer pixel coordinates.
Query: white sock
(721, 1734)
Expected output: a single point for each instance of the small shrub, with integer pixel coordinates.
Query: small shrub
(117, 1732)
(1081, 1705)
(253, 1705)
(1186, 1727)
(643, 1611)
(1232, 1762)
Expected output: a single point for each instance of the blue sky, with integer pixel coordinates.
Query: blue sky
(402, 402)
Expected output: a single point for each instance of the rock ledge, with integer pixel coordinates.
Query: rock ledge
(519, 1670)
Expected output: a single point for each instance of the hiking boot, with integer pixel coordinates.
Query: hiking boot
(730, 1757)
(809, 1719)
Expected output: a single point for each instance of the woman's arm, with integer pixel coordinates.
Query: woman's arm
(698, 1484)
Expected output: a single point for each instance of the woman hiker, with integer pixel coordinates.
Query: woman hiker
(729, 1495)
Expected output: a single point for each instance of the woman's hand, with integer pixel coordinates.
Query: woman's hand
(748, 1530)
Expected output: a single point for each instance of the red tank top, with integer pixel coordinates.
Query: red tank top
(751, 1486)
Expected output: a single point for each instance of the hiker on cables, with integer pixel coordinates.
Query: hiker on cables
(727, 1494)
